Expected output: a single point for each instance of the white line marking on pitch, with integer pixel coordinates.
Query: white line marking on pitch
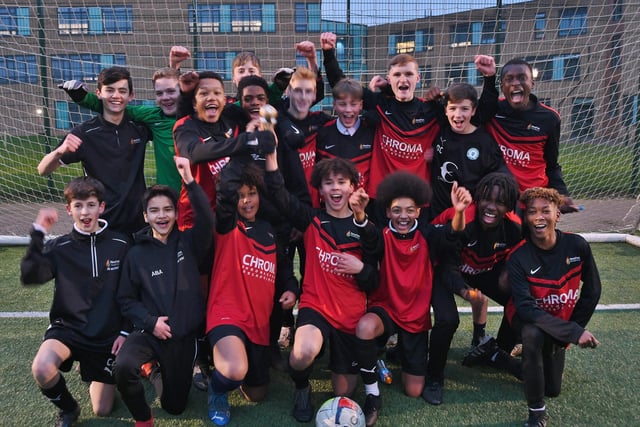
(44, 314)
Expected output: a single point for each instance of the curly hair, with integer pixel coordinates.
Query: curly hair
(506, 183)
(403, 184)
(550, 194)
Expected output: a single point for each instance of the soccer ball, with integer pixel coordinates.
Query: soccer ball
(340, 412)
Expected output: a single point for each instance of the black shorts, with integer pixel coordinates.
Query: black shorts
(95, 365)
(413, 347)
(342, 356)
(257, 355)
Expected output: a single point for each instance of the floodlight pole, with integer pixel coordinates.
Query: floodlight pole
(44, 82)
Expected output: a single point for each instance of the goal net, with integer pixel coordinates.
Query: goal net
(585, 54)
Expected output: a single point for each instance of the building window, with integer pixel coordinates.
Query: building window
(460, 35)
(540, 25)
(582, 119)
(14, 21)
(95, 20)
(616, 51)
(418, 41)
(556, 68)
(246, 18)
(465, 72)
(18, 69)
(233, 18)
(573, 22)
(83, 66)
(307, 18)
(618, 10)
(69, 114)
(218, 61)
(488, 32)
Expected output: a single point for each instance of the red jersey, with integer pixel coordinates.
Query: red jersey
(336, 297)
(397, 148)
(406, 279)
(243, 282)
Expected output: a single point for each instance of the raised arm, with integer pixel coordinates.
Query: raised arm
(51, 161)
(35, 266)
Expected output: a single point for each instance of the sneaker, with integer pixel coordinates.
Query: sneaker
(219, 411)
(302, 407)
(200, 378)
(517, 350)
(67, 418)
(432, 393)
(482, 352)
(371, 407)
(148, 423)
(284, 341)
(537, 419)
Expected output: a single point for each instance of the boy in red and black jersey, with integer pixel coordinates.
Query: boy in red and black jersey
(348, 136)
(338, 275)
(527, 131)
(492, 231)
(555, 289)
(405, 249)
(209, 136)
(242, 290)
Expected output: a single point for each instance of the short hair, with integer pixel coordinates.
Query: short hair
(244, 57)
(252, 81)
(458, 92)
(165, 73)
(303, 73)
(347, 87)
(114, 74)
(515, 61)
(401, 59)
(157, 191)
(210, 75)
(83, 187)
(505, 182)
(550, 194)
(403, 184)
(336, 166)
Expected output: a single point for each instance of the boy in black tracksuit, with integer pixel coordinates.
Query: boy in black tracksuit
(85, 320)
(555, 288)
(160, 293)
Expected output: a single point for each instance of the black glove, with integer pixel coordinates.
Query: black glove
(76, 89)
(281, 78)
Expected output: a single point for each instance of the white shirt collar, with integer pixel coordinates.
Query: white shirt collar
(348, 131)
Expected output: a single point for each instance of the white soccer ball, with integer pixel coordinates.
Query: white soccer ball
(340, 411)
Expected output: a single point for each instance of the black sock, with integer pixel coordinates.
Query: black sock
(366, 352)
(478, 332)
(222, 384)
(59, 395)
(300, 378)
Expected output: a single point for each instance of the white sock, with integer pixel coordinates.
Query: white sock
(372, 389)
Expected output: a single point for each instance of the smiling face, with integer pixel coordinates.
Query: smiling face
(336, 189)
(115, 97)
(541, 216)
(403, 79)
(161, 216)
(516, 83)
(85, 213)
(347, 109)
(253, 97)
(491, 209)
(167, 91)
(209, 100)
(248, 202)
(459, 114)
(302, 95)
(403, 214)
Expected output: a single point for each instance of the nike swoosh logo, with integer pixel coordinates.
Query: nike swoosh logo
(295, 129)
(534, 271)
(387, 113)
(329, 147)
(498, 116)
(469, 245)
(324, 222)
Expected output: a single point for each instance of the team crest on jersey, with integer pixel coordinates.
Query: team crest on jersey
(365, 146)
(353, 235)
(112, 264)
(414, 248)
(418, 121)
(533, 127)
(473, 153)
(572, 259)
(499, 245)
(134, 141)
